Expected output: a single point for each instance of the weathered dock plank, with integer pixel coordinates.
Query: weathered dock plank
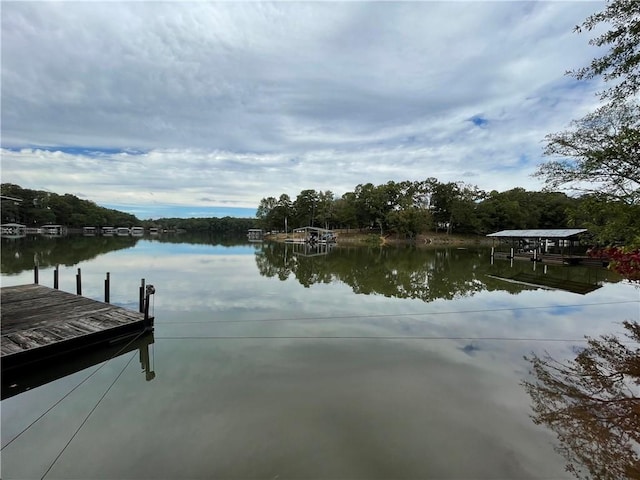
(39, 322)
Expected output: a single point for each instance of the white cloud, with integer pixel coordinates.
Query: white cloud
(237, 101)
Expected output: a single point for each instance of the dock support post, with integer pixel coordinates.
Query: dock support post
(107, 286)
(35, 274)
(141, 306)
(79, 282)
(55, 277)
(148, 321)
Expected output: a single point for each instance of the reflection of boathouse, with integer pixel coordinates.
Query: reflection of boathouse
(255, 234)
(13, 230)
(54, 230)
(562, 246)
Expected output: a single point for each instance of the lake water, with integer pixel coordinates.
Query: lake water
(269, 361)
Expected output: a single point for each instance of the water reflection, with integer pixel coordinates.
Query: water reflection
(23, 253)
(422, 274)
(264, 378)
(592, 403)
(20, 254)
(19, 380)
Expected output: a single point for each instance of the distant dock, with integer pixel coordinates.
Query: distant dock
(40, 322)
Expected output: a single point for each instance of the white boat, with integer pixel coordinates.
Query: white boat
(137, 231)
(123, 231)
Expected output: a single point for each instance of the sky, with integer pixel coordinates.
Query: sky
(202, 109)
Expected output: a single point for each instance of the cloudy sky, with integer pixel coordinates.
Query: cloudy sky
(202, 109)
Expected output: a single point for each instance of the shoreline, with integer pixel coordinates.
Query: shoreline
(424, 240)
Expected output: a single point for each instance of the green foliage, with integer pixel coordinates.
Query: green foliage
(410, 222)
(621, 63)
(520, 209)
(222, 226)
(373, 240)
(40, 208)
(411, 208)
(600, 154)
(611, 223)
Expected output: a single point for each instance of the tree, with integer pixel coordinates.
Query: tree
(593, 405)
(345, 210)
(264, 209)
(610, 222)
(453, 206)
(371, 205)
(622, 61)
(283, 212)
(324, 213)
(600, 154)
(409, 222)
(305, 207)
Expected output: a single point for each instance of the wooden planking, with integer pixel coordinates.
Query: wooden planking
(34, 316)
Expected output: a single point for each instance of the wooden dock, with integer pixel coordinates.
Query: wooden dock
(40, 322)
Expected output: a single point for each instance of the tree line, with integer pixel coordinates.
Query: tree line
(37, 208)
(412, 207)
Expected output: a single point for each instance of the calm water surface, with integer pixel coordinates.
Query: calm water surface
(268, 361)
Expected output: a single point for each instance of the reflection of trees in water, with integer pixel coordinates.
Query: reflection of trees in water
(593, 405)
(22, 254)
(201, 238)
(425, 274)
(393, 272)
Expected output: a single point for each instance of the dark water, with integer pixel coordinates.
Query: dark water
(269, 361)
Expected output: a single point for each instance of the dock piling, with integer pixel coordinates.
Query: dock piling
(56, 277)
(142, 292)
(79, 282)
(148, 322)
(36, 274)
(107, 286)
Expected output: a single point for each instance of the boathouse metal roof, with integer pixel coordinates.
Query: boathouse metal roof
(539, 233)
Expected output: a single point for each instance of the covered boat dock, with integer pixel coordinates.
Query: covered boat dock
(312, 236)
(567, 246)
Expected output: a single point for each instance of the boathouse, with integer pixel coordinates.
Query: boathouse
(562, 245)
(313, 236)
